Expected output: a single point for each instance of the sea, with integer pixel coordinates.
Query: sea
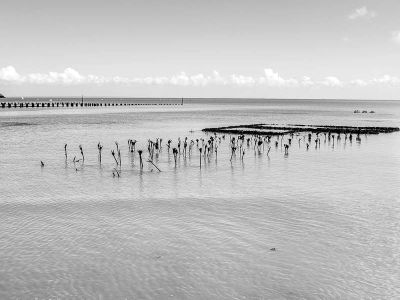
(322, 223)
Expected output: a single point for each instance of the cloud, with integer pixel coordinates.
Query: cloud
(362, 12)
(9, 74)
(272, 78)
(387, 80)
(358, 82)
(332, 81)
(307, 82)
(269, 78)
(241, 80)
(67, 77)
(396, 37)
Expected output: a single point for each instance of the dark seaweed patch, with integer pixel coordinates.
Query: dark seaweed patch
(268, 129)
(12, 124)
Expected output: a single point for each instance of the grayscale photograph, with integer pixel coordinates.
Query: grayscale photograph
(197, 149)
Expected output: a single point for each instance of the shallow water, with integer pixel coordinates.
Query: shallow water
(70, 231)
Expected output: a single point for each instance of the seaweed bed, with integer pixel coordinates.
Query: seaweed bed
(12, 124)
(275, 129)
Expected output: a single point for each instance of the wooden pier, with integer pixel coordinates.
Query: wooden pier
(77, 104)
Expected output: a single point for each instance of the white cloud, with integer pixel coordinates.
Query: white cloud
(218, 79)
(387, 80)
(9, 74)
(180, 79)
(272, 78)
(68, 77)
(72, 77)
(396, 37)
(362, 12)
(358, 82)
(241, 80)
(306, 81)
(269, 78)
(96, 79)
(332, 81)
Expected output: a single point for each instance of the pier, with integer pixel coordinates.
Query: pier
(81, 104)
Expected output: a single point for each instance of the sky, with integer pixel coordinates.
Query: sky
(347, 49)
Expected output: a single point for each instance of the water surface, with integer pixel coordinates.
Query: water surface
(73, 230)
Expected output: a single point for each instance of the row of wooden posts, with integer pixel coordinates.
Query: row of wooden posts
(209, 146)
(73, 104)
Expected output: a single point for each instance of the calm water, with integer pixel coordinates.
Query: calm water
(74, 231)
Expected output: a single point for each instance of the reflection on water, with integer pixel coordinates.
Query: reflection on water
(70, 230)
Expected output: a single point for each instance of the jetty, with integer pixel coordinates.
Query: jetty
(87, 103)
(276, 129)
